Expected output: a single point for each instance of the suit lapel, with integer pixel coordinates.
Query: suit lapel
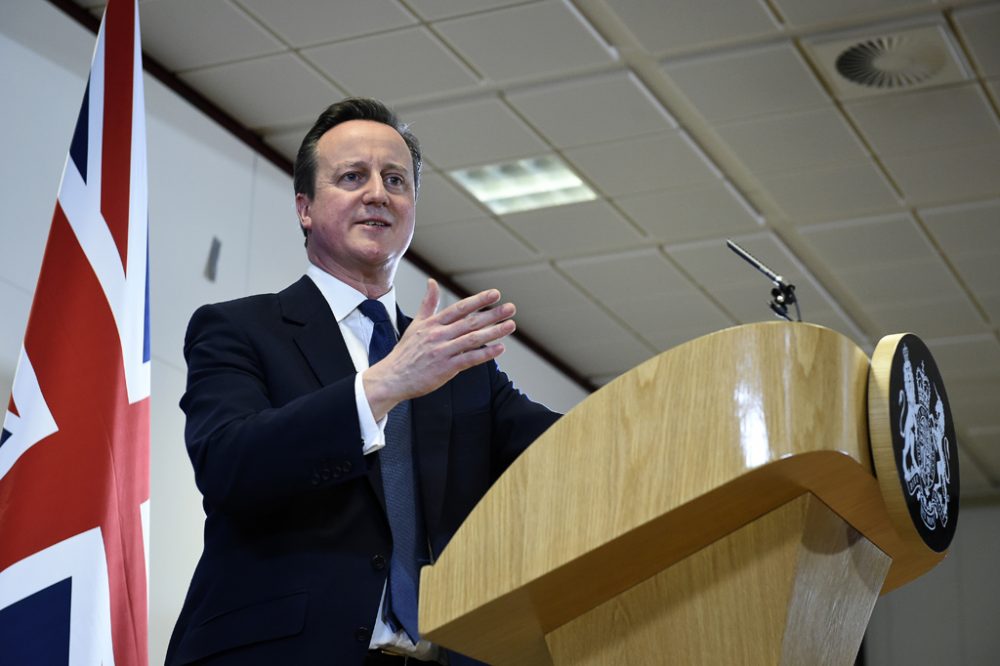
(320, 341)
(431, 436)
(317, 334)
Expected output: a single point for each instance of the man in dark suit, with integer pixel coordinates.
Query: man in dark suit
(287, 423)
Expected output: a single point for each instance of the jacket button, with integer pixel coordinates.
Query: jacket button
(378, 563)
(363, 634)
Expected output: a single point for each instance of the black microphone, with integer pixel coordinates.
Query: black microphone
(783, 293)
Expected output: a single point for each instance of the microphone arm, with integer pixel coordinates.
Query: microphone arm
(783, 293)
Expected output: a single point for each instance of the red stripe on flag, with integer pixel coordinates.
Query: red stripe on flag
(119, 52)
(91, 471)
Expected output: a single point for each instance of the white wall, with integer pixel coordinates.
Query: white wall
(203, 184)
(952, 614)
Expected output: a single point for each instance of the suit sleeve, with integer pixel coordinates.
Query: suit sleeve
(261, 432)
(517, 420)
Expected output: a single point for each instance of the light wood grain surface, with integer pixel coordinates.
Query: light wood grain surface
(660, 463)
(796, 586)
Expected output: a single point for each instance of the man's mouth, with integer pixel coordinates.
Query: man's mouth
(375, 223)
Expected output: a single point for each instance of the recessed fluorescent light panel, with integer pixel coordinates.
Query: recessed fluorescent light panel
(529, 184)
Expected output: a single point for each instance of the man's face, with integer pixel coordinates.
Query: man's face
(361, 218)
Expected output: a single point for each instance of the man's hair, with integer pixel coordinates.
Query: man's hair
(352, 108)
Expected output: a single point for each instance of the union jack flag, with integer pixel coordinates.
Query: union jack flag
(74, 449)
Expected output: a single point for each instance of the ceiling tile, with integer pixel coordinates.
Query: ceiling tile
(991, 304)
(691, 213)
(295, 93)
(974, 480)
(985, 442)
(308, 22)
(977, 414)
(713, 265)
(667, 310)
(613, 356)
(926, 120)
(836, 320)
(969, 235)
(601, 380)
(928, 319)
(553, 312)
(844, 191)
(614, 277)
(970, 357)
(974, 396)
(439, 9)
(524, 42)
(944, 176)
(966, 229)
(469, 245)
(212, 31)
(980, 272)
(670, 319)
(683, 24)
(641, 164)
(802, 140)
(394, 66)
(980, 27)
(606, 107)
(747, 82)
(901, 283)
(440, 201)
(868, 242)
(287, 142)
(812, 12)
(746, 293)
(563, 231)
(928, 33)
(575, 322)
(483, 131)
(531, 288)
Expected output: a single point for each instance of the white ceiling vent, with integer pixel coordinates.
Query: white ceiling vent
(888, 61)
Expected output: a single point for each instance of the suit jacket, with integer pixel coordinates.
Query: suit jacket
(296, 537)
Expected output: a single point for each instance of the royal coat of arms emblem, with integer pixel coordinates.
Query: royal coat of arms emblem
(913, 441)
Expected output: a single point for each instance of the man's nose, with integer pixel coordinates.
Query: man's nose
(375, 193)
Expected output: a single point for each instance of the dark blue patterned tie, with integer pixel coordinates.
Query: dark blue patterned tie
(396, 460)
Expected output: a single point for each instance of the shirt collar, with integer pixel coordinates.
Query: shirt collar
(344, 299)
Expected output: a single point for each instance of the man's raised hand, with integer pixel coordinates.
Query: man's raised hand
(437, 346)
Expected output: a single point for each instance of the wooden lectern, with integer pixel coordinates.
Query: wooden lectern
(715, 505)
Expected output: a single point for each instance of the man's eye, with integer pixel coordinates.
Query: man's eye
(395, 181)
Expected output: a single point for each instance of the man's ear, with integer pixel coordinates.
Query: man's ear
(302, 205)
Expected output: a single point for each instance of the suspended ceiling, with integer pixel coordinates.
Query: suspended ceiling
(694, 121)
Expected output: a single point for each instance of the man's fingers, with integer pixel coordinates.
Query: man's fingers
(429, 303)
(469, 305)
(481, 338)
(481, 355)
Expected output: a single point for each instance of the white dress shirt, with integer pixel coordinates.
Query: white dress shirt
(357, 331)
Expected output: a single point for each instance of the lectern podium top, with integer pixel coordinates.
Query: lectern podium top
(664, 460)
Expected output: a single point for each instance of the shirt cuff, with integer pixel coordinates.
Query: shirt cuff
(372, 432)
